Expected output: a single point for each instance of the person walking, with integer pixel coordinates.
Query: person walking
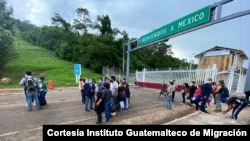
(217, 96)
(31, 85)
(174, 88)
(197, 97)
(127, 92)
(81, 88)
(106, 99)
(169, 95)
(191, 92)
(184, 92)
(114, 89)
(88, 95)
(99, 108)
(43, 91)
(206, 90)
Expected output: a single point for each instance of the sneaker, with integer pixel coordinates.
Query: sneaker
(87, 110)
(98, 123)
(228, 117)
(233, 121)
(113, 114)
(26, 105)
(205, 112)
(107, 121)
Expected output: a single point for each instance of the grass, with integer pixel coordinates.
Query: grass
(41, 62)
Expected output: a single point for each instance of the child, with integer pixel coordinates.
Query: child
(43, 91)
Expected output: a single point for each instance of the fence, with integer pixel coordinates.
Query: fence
(180, 76)
(234, 79)
(118, 73)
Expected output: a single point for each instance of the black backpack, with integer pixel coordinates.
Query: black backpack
(224, 92)
(30, 84)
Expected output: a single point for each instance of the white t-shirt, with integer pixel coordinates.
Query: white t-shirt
(113, 86)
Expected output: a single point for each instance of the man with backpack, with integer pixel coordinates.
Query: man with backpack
(31, 87)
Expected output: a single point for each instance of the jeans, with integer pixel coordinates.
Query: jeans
(87, 101)
(173, 94)
(217, 101)
(114, 104)
(247, 96)
(169, 101)
(43, 96)
(83, 96)
(99, 116)
(127, 102)
(107, 108)
(183, 97)
(30, 95)
(203, 104)
(26, 97)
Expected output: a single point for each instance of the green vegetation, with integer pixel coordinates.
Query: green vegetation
(24, 46)
(41, 62)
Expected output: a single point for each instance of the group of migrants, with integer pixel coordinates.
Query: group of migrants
(35, 91)
(108, 95)
(201, 95)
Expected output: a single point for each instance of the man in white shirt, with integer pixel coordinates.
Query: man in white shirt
(114, 89)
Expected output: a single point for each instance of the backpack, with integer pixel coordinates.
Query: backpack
(87, 89)
(224, 92)
(30, 84)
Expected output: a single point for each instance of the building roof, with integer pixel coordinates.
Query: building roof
(216, 48)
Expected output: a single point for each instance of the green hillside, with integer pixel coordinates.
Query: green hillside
(41, 62)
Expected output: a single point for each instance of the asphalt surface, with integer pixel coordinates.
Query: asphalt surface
(65, 108)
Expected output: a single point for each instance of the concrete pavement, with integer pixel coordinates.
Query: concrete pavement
(212, 118)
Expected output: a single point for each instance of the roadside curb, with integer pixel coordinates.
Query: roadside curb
(21, 89)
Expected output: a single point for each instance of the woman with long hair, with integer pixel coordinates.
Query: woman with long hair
(218, 96)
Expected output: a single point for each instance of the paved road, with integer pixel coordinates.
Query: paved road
(64, 107)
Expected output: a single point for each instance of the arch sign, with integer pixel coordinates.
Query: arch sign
(196, 18)
(194, 21)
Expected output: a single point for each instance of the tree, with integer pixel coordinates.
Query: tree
(5, 13)
(83, 22)
(58, 20)
(6, 38)
(104, 25)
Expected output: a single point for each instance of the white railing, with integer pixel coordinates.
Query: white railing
(234, 78)
(180, 76)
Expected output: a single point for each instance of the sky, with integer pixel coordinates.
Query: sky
(139, 17)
